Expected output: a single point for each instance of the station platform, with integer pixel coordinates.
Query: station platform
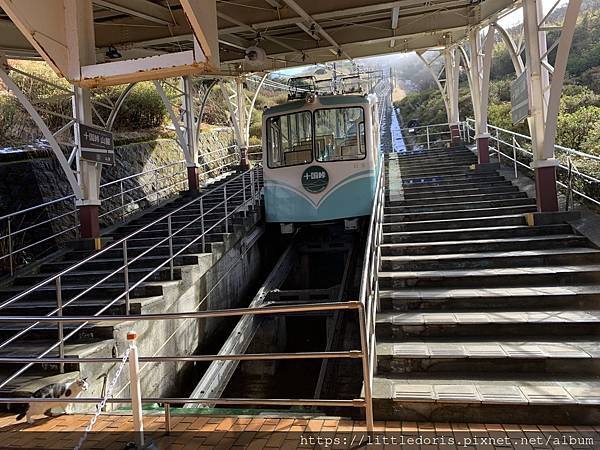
(113, 432)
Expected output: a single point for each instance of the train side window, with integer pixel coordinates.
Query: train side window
(289, 140)
(340, 134)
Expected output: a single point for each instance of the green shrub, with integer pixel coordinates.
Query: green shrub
(573, 127)
(142, 109)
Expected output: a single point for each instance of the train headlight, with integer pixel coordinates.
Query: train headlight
(310, 98)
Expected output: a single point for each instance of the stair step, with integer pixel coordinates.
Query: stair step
(474, 181)
(69, 291)
(433, 247)
(462, 223)
(403, 325)
(95, 331)
(78, 308)
(511, 276)
(449, 193)
(107, 263)
(471, 213)
(489, 356)
(35, 348)
(581, 296)
(535, 399)
(502, 195)
(484, 260)
(466, 234)
(430, 179)
(454, 206)
(92, 276)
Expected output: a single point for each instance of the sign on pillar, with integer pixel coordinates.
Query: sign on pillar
(96, 148)
(96, 145)
(519, 99)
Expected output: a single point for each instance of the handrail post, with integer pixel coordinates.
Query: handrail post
(156, 184)
(170, 230)
(126, 278)
(252, 188)
(136, 397)
(364, 344)
(167, 418)
(427, 130)
(257, 180)
(244, 192)
(498, 145)
(514, 146)
(569, 198)
(202, 224)
(10, 254)
(225, 200)
(122, 201)
(61, 327)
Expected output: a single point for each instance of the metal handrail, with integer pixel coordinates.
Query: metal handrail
(254, 198)
(363, 353)
(369, 290)
(115, 244)
(426, 135)
(177, 181)
(514, 145)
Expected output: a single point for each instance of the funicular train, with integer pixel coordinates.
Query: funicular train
(321, 159)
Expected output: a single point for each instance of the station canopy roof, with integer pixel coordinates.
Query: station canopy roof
(291, 32)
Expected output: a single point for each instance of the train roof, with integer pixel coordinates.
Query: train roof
(320, 100)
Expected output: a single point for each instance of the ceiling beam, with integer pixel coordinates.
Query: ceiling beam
(249, 28)
(314, 24)
(274, 3)
(143, 9)
(311, 33)
(405, 6)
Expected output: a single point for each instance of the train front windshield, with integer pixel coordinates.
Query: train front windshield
(332, 134)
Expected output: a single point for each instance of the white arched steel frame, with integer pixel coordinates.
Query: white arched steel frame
(48, 135)
(251, 107)
(513, 49)
(117, 106)
(240, 114)
(438, 76)
(203, 104)
(179, 125)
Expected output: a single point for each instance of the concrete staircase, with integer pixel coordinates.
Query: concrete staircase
(482, 317)
(99, 339)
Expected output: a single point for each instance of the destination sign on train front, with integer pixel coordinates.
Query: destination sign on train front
(96, 145)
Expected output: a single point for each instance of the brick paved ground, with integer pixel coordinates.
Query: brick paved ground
(203, 432)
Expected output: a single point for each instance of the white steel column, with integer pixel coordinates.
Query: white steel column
(481, 62)
(189, 124)
(544, 95)
(79, 18)
(240, 114)
(452, 74)
(242, 118)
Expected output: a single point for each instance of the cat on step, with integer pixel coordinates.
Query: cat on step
(61, 391)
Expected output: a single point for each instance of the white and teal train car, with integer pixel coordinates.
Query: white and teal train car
(320, 158)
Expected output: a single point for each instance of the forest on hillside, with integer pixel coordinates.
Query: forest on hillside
(579, 119)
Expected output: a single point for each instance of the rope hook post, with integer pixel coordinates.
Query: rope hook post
(136, 397)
